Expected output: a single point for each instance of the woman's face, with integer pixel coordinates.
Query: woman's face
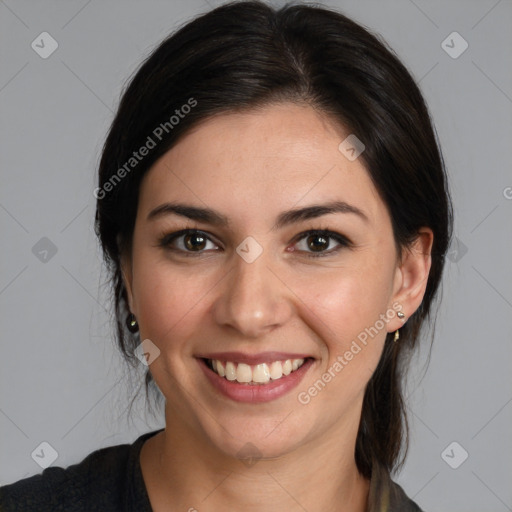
(250, 288)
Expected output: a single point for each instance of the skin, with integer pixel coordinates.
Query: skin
(250, 167)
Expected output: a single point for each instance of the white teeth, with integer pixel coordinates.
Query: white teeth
(219, 369)
(230, 371)
(257, 374)
(287, 367)
(243, 373)
(261, 373)
(276, 370)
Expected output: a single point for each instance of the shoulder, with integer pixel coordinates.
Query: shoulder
(400, 501)
(386, 495)
(101, 481)
(95, 480)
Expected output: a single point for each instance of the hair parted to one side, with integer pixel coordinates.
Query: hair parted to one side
(246, 55)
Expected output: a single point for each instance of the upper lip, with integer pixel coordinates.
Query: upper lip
(252, 359)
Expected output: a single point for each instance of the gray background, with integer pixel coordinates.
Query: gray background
(62, 380)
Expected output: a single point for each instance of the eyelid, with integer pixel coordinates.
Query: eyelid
(165, 240)
(342, 241)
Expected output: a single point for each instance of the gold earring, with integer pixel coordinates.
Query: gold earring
(397, 335)
(131, 323)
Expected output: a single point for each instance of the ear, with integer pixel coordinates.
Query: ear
(411, 276)
(126, 271)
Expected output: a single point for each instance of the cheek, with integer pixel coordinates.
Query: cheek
(168, 301)
(343, 315)
(346, 307)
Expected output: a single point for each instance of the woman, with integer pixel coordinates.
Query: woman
(273, 208)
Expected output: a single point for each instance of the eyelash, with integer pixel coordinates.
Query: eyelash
(166, 239)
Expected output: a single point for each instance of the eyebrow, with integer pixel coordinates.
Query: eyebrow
(209, 216)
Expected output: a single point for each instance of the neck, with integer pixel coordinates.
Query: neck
(181, 467)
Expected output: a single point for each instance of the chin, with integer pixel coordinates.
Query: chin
(257, 438)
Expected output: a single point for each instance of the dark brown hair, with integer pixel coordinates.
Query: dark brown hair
(245, 55)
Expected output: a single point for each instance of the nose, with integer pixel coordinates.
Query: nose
(253, 299)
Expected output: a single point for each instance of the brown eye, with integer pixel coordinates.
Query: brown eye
(321, 242)
(317, 243)
(194, 241)
(188, 242)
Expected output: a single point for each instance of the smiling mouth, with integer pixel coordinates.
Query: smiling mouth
(258, 374)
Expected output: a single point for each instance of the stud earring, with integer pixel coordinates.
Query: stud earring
(400, 315)
(131, 323)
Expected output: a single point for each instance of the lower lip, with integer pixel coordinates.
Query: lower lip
(255, 393)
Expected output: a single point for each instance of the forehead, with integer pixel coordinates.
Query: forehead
(261, 162)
